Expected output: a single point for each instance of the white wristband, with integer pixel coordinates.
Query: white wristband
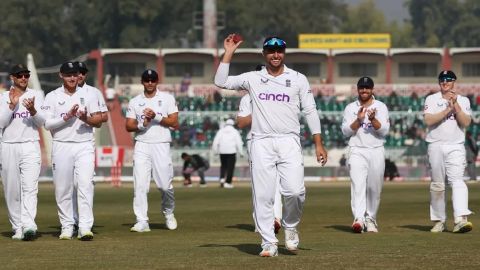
(158, 117)
(140, 126)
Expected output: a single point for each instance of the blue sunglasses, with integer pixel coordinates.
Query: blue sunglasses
(275, 42)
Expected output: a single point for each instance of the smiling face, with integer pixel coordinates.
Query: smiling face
(364, 94)
(274, 57)
(20, 80)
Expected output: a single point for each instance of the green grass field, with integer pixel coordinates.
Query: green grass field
(216, 232)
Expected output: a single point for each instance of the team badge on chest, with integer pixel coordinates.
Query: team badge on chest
(288, 83)
(159, 103)
(82, 101)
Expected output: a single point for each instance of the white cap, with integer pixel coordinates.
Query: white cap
(230, 122)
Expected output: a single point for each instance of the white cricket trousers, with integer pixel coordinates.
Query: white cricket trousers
(21, 164)
(367, 166)
(447, 164)
(73, 168)
(277, 205)
(276, 160)
(152, 159)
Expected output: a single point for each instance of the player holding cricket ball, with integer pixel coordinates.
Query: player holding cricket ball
(278, 93)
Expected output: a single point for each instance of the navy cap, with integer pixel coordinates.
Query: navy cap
(149, 74)
(68, 68)
(274, 42)
(365, 82)
(447, 76)
(19, 68)
(82, 67)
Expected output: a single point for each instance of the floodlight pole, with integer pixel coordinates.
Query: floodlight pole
(209, 24)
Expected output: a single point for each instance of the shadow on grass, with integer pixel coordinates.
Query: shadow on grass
(252, 249)
(422, 228)
(343, 228)
(245, 227)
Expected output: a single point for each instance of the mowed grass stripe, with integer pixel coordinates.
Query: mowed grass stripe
(216, 232)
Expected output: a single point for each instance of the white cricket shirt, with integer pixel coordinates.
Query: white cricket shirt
(162, 104)
(446, 131)
(245, 109)
(366, 136)
(57, 104)
(18, 125)
(102, 105)
(276, 101)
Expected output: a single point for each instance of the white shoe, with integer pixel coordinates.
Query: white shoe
(171, 222)
(438, 227)
(85, 234)
(67, 233)
(371, 225)
(203, 185)
(17, 234)
(228, 185)
(269, 251)
(29, 234)
(357, 226)
(291, 240)
(222, 182)
(140, 227)
(463, 226)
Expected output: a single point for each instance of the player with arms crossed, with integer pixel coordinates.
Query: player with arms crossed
(366, 122)
(20, 118)
(244, 120)
(151, 115)
(277, 94)
(446, 115)
(71, 113)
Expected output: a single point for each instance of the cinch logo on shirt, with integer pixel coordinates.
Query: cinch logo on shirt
(25, 114)
(366, 125)
(274, 97)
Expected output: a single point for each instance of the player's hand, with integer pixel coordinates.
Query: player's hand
(371, 114)
(70, 114)
(14, 98)
(229, 45)
(29, 104)
(149, 113)
(321, 153)
(82, 115)
(361, 114)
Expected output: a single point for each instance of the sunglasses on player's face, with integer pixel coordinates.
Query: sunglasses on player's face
(275, 42)
(22, 75)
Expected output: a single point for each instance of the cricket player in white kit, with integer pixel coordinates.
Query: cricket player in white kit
(151, 115)
(82, 76)
(366, 122)
(71, 113)
(446, 115)
(20, 118)
(244, 120)
(277, 94)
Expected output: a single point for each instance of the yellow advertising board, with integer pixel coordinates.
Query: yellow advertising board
(343, 41)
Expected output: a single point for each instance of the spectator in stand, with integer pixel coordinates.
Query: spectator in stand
(185, 83)
(191, 164)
